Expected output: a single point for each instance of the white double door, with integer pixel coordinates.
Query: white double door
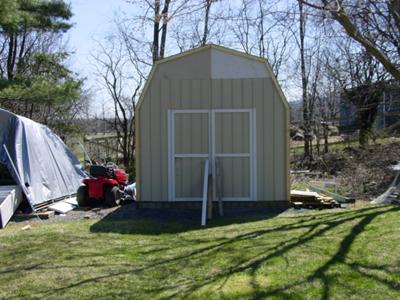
(226, 137)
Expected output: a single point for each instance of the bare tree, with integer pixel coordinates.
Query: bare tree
(158, 48)
(261, 28)
(201, 26)
(157, 14)
(307, 116)
(123, 88)
(375, 25)
(206, 20)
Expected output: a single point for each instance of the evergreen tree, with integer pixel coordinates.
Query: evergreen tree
(33, 78)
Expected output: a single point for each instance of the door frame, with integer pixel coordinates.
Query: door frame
(171, 150)
(211, 151)
(252, 152)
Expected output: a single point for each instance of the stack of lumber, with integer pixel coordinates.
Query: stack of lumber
(307, 199)
(336, 197)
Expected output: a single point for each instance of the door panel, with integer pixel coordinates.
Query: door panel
(232, 151)
(190, 148)
(231, 170)
(191, 133)
(232, 132)
(189, 174)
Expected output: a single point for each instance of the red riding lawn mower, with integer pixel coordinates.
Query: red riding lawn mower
(107, 183)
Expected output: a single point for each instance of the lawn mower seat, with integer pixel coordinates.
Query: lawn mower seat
(102, 171)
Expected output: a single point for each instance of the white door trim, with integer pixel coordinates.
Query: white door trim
(212, 152)
(171, 151)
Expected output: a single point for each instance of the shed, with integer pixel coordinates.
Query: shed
(217, 104)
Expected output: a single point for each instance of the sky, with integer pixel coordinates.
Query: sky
(91, 21)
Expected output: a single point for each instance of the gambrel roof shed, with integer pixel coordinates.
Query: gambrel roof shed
(217, 104)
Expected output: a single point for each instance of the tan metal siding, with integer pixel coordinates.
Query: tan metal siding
(189, 175)
(232, 132)
(233, 184)
(191, 133)
(279, 148)
(268, 140)
(225, 65)
(145, 151)
(256, 92)
(189, 67)
(165, 102)
(155, 137)
(226, 94)
(216, 94)
(205, 92)
(195, 94)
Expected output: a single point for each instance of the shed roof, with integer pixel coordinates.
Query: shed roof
(211, 62)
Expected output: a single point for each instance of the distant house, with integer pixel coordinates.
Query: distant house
(388, 111)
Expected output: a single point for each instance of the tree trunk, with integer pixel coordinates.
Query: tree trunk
(12, 49)
(363, 138)
(304, 81)
(164, 14)
(205, 33)
(318, 138)
(155, 30)
(326, 131)
(261, 26)
(367, 119)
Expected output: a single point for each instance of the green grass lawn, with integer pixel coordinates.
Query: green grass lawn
(346, 254)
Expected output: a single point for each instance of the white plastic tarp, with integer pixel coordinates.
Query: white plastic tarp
(47, 168)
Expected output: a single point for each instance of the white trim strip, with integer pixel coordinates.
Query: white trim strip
(172, 158)
(233, 155)
(205, 194)
(191, 155)
(170, 163)
(200, 199)
(190, 111)
(254, 154)
(188, 199)
(213, 158)
(237, 199)
(232, 110)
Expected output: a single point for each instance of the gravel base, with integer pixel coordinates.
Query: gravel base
(129, 211)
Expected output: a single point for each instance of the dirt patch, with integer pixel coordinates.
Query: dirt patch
(80, 214)
(360, 173)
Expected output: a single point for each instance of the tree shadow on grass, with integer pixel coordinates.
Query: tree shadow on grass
(153, 221)
(311, 226)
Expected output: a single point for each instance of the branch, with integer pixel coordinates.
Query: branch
(339, 14)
